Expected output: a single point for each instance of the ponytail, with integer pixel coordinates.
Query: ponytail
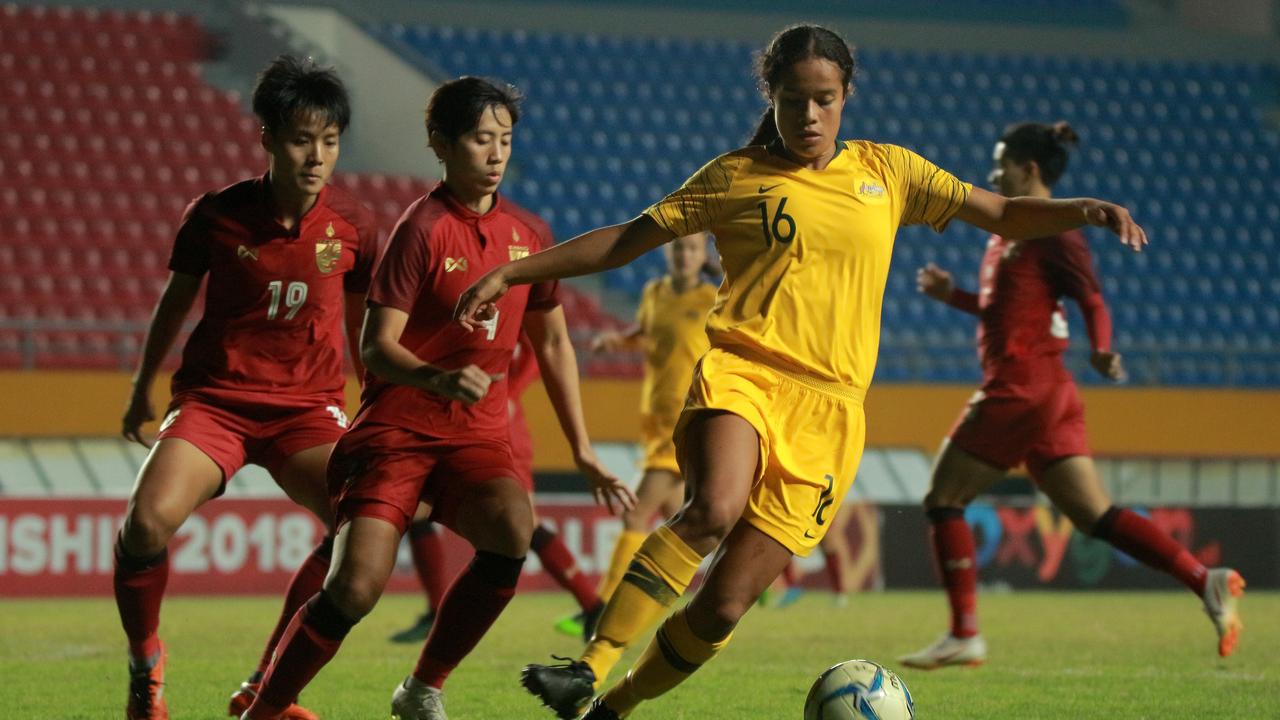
(1065, 134)
(766, 129)
(1047, 145)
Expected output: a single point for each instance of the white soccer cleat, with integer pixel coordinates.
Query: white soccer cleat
(415, 701)
(1223, 588)
(948, 650)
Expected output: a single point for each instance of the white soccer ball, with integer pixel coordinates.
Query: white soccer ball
(858, 690)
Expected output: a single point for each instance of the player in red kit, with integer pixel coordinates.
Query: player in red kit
(426, 546)
(1028, 410)
(433, 425)
(288, 260)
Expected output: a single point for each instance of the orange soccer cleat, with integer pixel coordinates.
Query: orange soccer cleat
(243, 698)
(1223, 589)
(146, 689)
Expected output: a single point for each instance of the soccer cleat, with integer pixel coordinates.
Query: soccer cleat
(574, 625)
(949, 650)
(789, 597)
(146, 689)
(415, 700)
(566, 689)
(600, 711)
(243, 698)
(1222, 591)
(418, 631)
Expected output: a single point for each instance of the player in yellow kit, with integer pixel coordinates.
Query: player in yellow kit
(773, 430)
(671, 323)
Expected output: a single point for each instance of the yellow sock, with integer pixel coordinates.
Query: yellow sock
(623, 550)
(673, 655)
(660, 573)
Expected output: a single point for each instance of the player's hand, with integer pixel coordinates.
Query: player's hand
(605, 486)
(935, 282)
(467, 384)
(608, 341)
(478, 303)
(1117, 220)
(1109, 365)
(137, 413)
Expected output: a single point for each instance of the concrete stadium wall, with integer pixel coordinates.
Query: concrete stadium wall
(1171, 422)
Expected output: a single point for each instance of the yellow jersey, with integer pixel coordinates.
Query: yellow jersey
(806, 252)
(674, 327)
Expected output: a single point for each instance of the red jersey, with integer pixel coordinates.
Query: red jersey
(1020, 317)
(273, 326)
(437, 250)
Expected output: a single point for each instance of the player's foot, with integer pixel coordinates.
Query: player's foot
(243, 698)
(146, 689)
(789, 597)
(600, 711)
(1222, 591)
(841, 600)
(415, 700)
(566, 689)
(418, 631)
(574, 624)
(949, 650)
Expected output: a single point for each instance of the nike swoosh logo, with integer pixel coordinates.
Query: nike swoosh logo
(808, 535)
(764, 189)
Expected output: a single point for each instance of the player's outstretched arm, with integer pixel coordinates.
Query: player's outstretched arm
(1022, 218)
(601, 249)
(559, 365)
(937, 284)
(385, 357)
(175, 302)
(611, 341)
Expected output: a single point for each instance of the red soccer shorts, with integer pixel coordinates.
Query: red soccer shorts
(233, 435)
(384, 472)
(1007, 424)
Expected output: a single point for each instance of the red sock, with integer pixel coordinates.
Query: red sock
(559, 564)
(306, 582)
(955, 554)
(139, 587)
(835, 573)
(313, 637)
(473, 603)
(789, 575)
(1139, 538)
(426, 545)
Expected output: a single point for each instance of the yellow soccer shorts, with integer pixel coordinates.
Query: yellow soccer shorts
(811, 438)
(659, 447)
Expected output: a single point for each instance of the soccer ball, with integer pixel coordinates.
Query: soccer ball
(858, 690)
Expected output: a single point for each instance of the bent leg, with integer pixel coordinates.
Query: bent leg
(721, 456)
(958, 478)
(749, 562)
(175, 480)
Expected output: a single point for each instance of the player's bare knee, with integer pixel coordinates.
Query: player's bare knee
(944, 497)
(706, 521)
(353, 594)
(145, 533)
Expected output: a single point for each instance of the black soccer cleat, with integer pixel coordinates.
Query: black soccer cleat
(600, 711)
(418, 631)
(566, 689)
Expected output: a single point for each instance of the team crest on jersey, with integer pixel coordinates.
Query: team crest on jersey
(515, 252)
(871, 189)
(244, 253)
(328, 253)
(452, 264)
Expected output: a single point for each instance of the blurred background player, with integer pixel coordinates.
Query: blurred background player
(773, 429)
(836, 558)
(670, 327)
(288, 260)
(425, 543)
(433, 425)
(1028, 409)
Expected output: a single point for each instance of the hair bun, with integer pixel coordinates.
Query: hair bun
(1063, 133)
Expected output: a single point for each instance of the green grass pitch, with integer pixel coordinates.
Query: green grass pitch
(1053, 655)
